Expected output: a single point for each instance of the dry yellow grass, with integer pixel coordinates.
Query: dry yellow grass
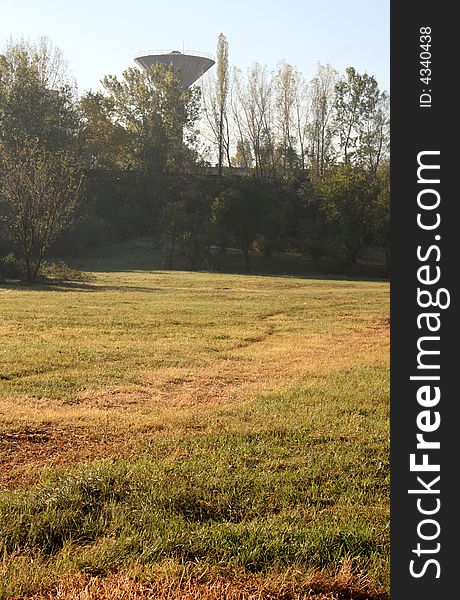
(161, 586)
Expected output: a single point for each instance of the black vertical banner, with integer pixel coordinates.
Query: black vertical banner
(425, 351)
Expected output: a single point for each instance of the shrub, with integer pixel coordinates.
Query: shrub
(11, 267)
(90, 232)
(59, 270)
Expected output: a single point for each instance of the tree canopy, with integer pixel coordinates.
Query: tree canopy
(302, 165)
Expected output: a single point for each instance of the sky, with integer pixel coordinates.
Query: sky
(101, 37)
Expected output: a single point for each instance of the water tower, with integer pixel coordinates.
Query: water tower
(189, 67)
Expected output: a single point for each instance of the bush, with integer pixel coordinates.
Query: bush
(59, 270)
(320, 248)
(91, 231)
(11, 267)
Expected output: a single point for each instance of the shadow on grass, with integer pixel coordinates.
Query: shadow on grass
(74, 286)
(128, 258)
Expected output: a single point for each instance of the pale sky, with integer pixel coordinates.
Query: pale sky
(99, 37)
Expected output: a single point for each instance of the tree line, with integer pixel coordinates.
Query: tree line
(301, 167)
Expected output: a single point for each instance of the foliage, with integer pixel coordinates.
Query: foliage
(222, 96)
(173, 222)
(238, 212)
(381, 211)
(36, 99)
(153, 110)
(295, 143)
(105, 144)
(60, 271)
(361, 118)
(347, 199)
(321, 129)
(11, 267)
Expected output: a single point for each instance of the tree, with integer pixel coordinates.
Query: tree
(373, 148)
(155, 112)
(243, 154)
(37, 98)
(381, 210)
(321, 129)
(238, 212)
(216, 97)
(273, 206)
(104, 143)
(253, 114)
(347, 199)
(359, 117)
(40, 191)
(173, 221)
(286, 92)
(302, 108)
(222, 92)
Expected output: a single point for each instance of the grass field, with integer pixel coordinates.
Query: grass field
(171, 434)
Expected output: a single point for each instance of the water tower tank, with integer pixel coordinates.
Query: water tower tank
(190, 67)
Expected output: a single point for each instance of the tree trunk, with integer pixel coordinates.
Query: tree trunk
(29, 270)
(352, 254)
(171, 253)
(247, 262)
(36, 269)
(227, 145)
(387, 256)
(221, 142)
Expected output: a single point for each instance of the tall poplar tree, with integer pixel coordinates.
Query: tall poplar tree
(222, 93)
